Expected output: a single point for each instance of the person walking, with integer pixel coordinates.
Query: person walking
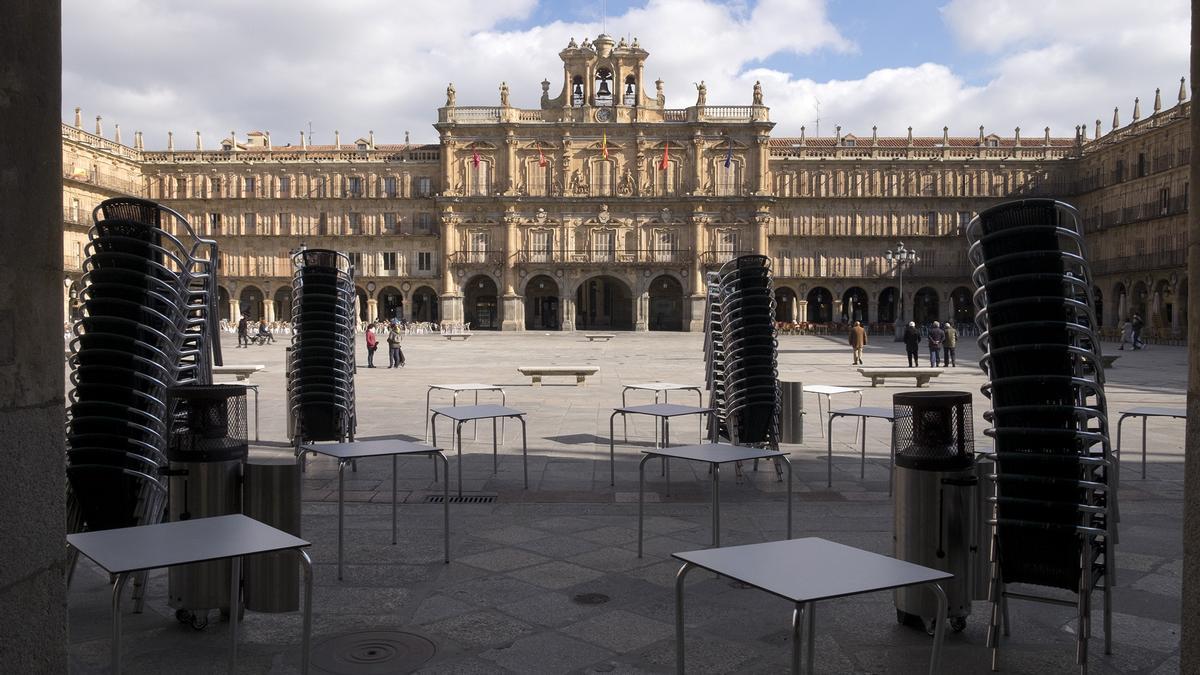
(394, 338)
(372, 345)
(243, 332)
(858, 340)
(950, 344)
(1138, 325)
(1126, 334)
(912, 343)
(936, 337)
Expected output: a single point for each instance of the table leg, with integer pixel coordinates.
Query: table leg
(667, 461)
(797, 634)
(476, 436)
(612, 451)
(716, 505)
(624, 419)
(118, 589)
(862, 466)
(829, 442)
(394, 479)
(495, 455)
(341, 510)
(235, 604)
(788, 463)
(524, 452)
(679, 576)
(255, 390)
(641, 497)
(445, 503)
(820, 410)
(306, 636)
(503, 404)
(458, 433)
(433, 425)
(427, 393)
(1144, 420)
(700, 404)
(656, 395)
(892, 458)
(810, 617)
(939, 632)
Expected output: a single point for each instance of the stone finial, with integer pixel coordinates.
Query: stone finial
(572, 44)
(1047, 135)
(79, 116)
(910, 137)
(170, 141)
(945, 136)
(837, 135)
(117, 134)
(137, 141)
(232, 139)
(1182, 89)
(1157, 100)
(267, 139)
(406, 141)
(337, 140)
(1099, 132)
(371, 139)
(199, 142)
(303, 141)
(99, 128)
(874, 134)
(1116, 119)
(1017, 136)
(981, 134)
(1137, 109)
(802, 142)
(1076, 134)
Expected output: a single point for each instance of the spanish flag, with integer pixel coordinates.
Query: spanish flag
(541, 157)
(662, 166)
(604, 145)
(475, 156)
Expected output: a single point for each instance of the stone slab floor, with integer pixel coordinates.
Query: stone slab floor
(508, 601)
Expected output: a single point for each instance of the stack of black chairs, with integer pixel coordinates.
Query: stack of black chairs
(321, 360)
(1054, 523)
(740, 348)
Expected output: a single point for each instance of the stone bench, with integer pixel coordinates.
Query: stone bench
(604, 337)
(538, 372)
(456, 336)
(240, 372)
(879, 375)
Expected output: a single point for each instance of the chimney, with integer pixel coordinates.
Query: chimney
(79, 113)
(837, 135)
(1182, 90)
(406, 141)
(232, 139)
(99, 129)
(137, 141)
(170, 141)
(981, 134)
(945, 137)
(303, 141)
(802, 141)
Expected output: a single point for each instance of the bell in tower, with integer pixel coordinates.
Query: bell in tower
(604, 92)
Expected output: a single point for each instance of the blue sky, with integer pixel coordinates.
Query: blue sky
(378, 65)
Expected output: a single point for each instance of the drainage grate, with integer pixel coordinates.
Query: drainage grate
(590, 599)
(464, 499)
(371, 652)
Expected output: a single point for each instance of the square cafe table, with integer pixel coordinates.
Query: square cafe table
(804, 572)
(127, 550)
(457, 389)
(864, 413)
(664, 412)
(467, 413)
(1145, 413)
(663, 390)
(715, 454)
(829, 391)
(346, 453)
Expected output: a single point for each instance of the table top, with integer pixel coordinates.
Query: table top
(661, 386)
(829, 389)
(811, 569)
(1151, 411)
(866, 411)
(131, 549)
(467, 386)
(714, 453)
(663, 410)
(476, 412)
(375, 448)
(230, 369)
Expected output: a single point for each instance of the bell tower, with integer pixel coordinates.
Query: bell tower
(604, 74)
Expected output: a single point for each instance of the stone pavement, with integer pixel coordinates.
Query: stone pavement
(548, 581)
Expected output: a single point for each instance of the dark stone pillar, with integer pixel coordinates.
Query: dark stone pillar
(32, 590)
(1190, 641)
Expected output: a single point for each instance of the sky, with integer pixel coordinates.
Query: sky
(282, 66)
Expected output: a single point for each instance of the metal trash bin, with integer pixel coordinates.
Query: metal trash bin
(271, 494)
(936, 502)
(791, 418)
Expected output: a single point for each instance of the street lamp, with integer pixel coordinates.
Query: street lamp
(901, 257)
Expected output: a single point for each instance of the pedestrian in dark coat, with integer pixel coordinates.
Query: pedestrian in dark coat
(858, 340)
(936, 337)
(912, 344)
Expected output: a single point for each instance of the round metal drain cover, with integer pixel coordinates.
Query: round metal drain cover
(591, 599)
(371, 652)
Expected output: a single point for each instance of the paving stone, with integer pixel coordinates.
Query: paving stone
(502, 559)
(548, 653)
(556, 575)
(486, 628)
(620, 631)
(548, 609)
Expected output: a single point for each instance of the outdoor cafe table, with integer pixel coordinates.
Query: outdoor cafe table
(864, 413)
(807, 571)
(1145, 413)
(660, 389)
(346, 453)
(457, 389)
(467, 413)
(663, 412)
(124, 551)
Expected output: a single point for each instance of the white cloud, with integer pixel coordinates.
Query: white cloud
(373, 64)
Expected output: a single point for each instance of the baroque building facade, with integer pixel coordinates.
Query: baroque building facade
(603, 209)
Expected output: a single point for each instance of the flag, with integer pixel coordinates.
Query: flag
(604, 145)
(541, 157)
(729, 155)
(475, 157)
(662, 166)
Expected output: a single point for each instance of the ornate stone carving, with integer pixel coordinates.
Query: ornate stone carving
(450, 95)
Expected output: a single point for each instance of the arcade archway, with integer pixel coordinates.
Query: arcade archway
(925, 306)
(425, 305)
(820, 305)
(855, 305)
(480, 306)
(666, 304)
(604, 303)
(542, 311)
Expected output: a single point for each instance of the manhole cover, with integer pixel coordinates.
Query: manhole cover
(591, 599)
(371, 652)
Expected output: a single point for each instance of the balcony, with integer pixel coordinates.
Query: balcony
(1140, 263)
(718, 258)
(103, 179)
(72, 262)
(607, 257)
(476, 258)
(79, 216)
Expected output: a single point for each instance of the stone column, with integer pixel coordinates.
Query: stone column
(268, 305)
(641, 315)
(1190, 640)
(567, 302)
(32, 500)
(235, 309)
(699, 289)
(513, 316)
(372, 308)
(451, 299)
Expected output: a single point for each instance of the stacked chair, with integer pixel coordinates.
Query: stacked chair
(321, 360)
(740, 350)
(1055, 504)
(148, 323)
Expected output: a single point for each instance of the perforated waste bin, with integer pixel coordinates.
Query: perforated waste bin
(791, 418)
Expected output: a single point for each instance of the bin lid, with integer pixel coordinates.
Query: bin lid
(923, 458)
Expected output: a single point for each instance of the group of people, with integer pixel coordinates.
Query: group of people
(262, 336)
(395, 335)
(942, 340)
(1131, 333)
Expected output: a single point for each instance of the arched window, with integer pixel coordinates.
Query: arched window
(479, 178)
(603, 173)
(539, 177)
(666, 180)
(728, 183)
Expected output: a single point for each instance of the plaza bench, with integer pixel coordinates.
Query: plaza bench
(879, 375)
(457, 336)
(242, 372)
(603, 337)
(538, 372)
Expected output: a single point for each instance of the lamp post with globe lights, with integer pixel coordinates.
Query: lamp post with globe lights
(901, 257)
